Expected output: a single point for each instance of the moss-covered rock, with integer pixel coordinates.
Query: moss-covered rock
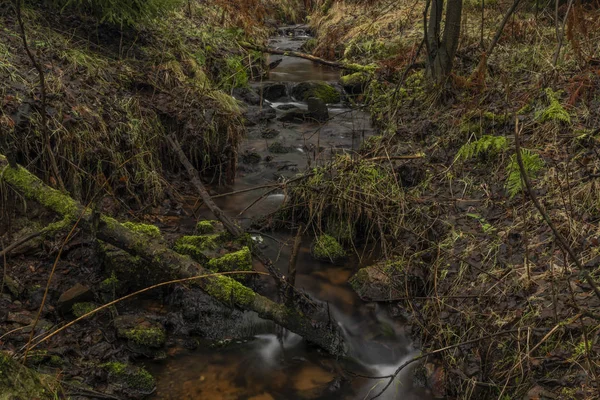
(140, 331)
(132, 272)
(240, 260)
(355, 83)
(19, 382)
(321, 90)
(327, 248)
(129, 376)
(80, 309)
(145, 229)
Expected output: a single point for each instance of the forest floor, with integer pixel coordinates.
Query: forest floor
(471, 259)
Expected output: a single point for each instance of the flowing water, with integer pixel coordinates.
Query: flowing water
(279, 365)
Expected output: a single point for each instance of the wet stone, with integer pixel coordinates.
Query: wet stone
(279, 148)
(318, 109)
(296, 115)
(269, 133)
(256, 115)
(274, 91)
(247, 95)
(251, 158)
(23, 318)
(76, 294)
(286, 107)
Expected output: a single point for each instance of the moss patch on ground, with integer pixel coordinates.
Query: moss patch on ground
(129, 376)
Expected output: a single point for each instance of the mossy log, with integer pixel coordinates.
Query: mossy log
(222, 288)
(290, 53)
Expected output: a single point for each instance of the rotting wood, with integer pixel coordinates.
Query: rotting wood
(224, 289)
(318, 60)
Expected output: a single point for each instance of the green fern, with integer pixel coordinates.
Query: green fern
(555, 111)
(487, 144)
(532, 162)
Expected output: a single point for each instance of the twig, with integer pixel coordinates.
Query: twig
(559, 237)
(292, 265)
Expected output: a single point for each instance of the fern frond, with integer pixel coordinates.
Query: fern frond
(487, 144)
(555, 111)
(532, 162)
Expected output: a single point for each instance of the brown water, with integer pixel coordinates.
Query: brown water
(275, 365)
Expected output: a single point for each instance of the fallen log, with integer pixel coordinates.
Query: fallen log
(318, 60)
(232, 227)
(222, 288)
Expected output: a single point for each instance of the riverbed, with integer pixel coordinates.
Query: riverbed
(271, 363)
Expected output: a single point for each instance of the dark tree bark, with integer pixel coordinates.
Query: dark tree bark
(442, 47)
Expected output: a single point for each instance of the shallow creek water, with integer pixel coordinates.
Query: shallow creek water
(271, 365)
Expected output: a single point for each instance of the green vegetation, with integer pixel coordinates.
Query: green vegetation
(532, 162)
(130, 376)
(151, 231)
(555, 111)
(80, 309)
(325, 247)
(321, 90)
(146, 336)
(240, 260)
(487, 144)
(206, 227)
(120, 12)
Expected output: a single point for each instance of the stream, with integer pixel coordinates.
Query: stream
(274, 365)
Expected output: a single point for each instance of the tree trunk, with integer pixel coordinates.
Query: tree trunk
(442, 50)
(222, 288)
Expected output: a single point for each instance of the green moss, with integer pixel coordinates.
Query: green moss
(19, 382)
(130, 376)
(325, 247)
(33, 188)
(192, 251)
(80, 309)
(240, 260)
(555, 111)
(229, 291)
(205, 227)
(355, 79)
(145, 229)
(109, 283)
(202, 242)
(358, 280)
(321, 90)
(146, 336)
